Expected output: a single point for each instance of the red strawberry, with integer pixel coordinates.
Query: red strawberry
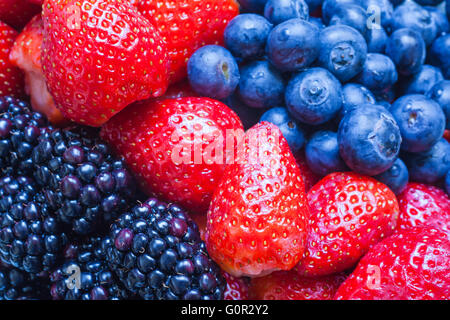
(237, 288)
(26, 54)
(187, 25)
(98, 56)
(412, 264)
(257, 220)
(422, 204)
(11, 78)
(289, 285)
(17, 13)
(309, 177)
(168, 145)
(447, 135)
(349, 214)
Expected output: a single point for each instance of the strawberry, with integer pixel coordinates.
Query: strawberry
(257, 220)
(169, 144)
(98, 56)
(11, 78)
(447, 135)
(26, 54)
(422, 204)
(289, 285)
(187, 25)
(17, 13)
(309, 177)
(349, 214)
(237, 288)
(412, 264)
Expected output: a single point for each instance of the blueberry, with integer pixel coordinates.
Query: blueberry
(440, 54)
(261, 85)
(343, 51)
(421, 122)
(447, 183)
(355, 95)
(440, 18)
(249, 116)
(369, 139)
(440, 93)
(317, 22)
(351, 15)
(322, 153)
(293, 45)
(253, 5)
(287, 125)
(430, 166)
(379, 73)
(213, 72)
(396, 178)
(448, 8)
(407, 49)
(278, 11)
(424, 80)
(380, 12)
(329, 7)
(246, 35)
(376, 39)
(429, 2)
(314, 96)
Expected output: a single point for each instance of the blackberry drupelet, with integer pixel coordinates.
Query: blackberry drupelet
(82, 181)
(31, 238)
(85, 274)
(158, 254)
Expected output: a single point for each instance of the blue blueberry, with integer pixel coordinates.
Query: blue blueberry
(396, 178)
(261, 85)
(421, 122)
(253, 5)
(249, 116)
(293, 45)
(379, 73)
(369, 139)
(322, 153)
(424, 80)
(384, 104)
(430, 166)
(376, 39)
(314, 96)
(440, 18)
(288, 126)
(429, 2)
(411, 15)
(355, 95)
(407, 50)
(448, 8)
(440, 54)
(440, 93)
(329, 7)
(317, 22)
(213, 72)
(447, 183)
(246, 35)
(343, 51)
(351, 15)
(278, 11)
(380, 12)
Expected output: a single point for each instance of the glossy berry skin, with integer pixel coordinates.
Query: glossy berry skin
(440, 54)
(343, 51)
(424, 80)
(376, 40)
(430, 166)
(421, 122)
(440, 18)
(422, 204)
(349, 214)
(288, 285)
(237, 288)
(253, 5)
(16, 284)
(261, 85)
(288, 126)
(407, 50)
(396, 178)
(369, 139)
(246, 35)
(100, 67)
(351, 15)
(440, 93)
(322, 153)
(278, 11)
(314, 96)
(317, 22)
(329, 7)
(257, 220)
(151, 138)
(378, 73)
(355, 95)
(382, 7)
(213, 72)
(17, 13)
(410, 265)
(293, 45)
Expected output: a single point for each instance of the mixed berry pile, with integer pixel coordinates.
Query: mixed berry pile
(223, 149)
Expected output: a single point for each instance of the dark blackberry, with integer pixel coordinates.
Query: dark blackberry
(82, 181)
(158, 254)
(85, 274)
(31, 237)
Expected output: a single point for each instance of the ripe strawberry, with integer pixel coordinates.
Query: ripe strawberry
(412, 264)
(258, 216)
(187, 25)
(11, 78)
(349, 214)
(237, 288)
(289, 285)
(422, 204)
(309, 177)
(168, 145)
(26, 54)
(17, 13)
(98, 56)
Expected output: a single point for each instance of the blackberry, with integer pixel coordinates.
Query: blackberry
(82, 181)
(31, 238)
(158, 254)
(85, 274)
